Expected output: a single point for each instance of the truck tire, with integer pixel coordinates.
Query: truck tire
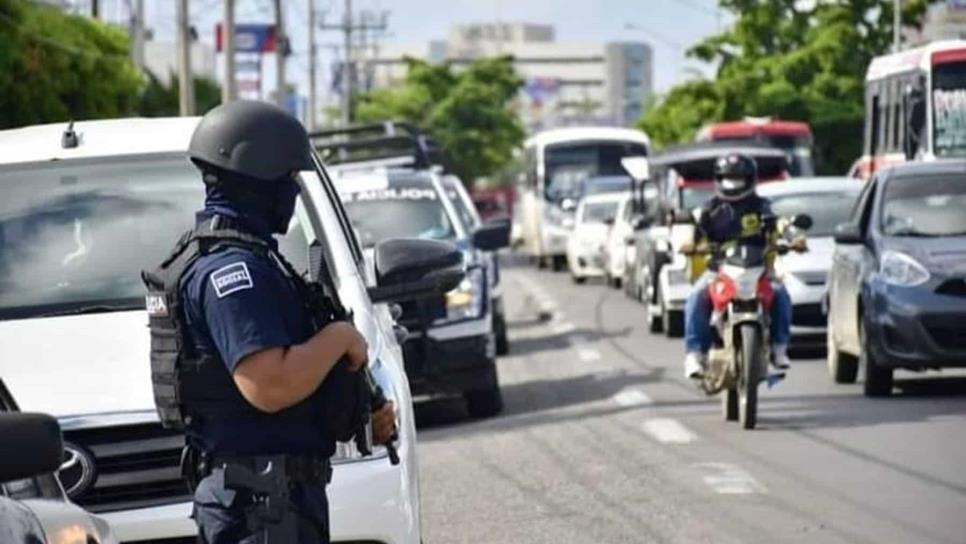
(484, 402)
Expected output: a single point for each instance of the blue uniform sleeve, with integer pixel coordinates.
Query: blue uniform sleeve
(239, 300)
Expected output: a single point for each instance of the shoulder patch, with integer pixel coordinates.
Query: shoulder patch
(231, 279)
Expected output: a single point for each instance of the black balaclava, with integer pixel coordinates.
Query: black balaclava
(266, 207)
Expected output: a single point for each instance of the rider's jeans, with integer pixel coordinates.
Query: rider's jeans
(697, 316)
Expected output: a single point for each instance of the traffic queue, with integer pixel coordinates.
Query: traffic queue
(871, 270)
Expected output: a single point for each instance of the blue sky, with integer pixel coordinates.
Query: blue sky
(670, 26)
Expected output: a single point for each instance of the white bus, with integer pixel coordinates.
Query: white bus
(558, 164)
(915, 106)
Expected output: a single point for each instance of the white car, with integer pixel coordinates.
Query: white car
(828, 200)
(618, 251)
(585, 245)
(82, 212)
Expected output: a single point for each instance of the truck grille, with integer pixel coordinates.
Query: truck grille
(137, 466)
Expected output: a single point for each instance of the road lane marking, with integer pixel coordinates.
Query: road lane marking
(668, 431)
(588, 355)
(632, 396)
(728, 479)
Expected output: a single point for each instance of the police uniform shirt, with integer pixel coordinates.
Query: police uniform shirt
(238, 303)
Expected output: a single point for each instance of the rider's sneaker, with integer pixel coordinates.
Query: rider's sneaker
(695, 364)
(779, 357)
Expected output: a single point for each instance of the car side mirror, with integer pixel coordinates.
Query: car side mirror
(848, 234)
(31, 445)
(492, 236)
(411, 269)
(802, 221)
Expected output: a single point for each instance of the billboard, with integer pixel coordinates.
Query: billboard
(249, 38)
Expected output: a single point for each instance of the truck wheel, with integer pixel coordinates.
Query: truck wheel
(502, 341)
(484, 402)
(878, 379)
(673, 322)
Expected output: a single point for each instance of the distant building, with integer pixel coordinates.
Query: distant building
(161, 59)
(564, 82)
(943, 21)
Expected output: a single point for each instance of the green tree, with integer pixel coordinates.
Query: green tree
(55, 67)
(159, 100)
(467, 111)
(789, 59)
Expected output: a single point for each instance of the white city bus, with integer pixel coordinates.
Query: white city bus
(558, 163)
(915, 106)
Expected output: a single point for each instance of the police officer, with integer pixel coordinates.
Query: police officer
(734, 213)
(248, 366)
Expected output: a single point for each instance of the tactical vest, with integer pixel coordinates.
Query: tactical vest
(189, 384)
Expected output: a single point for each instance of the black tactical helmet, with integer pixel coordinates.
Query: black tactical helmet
(735, 176)
(252, 139)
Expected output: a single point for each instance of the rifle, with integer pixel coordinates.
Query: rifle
(323, 293)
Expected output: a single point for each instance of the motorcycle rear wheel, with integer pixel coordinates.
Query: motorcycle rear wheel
(748, 375)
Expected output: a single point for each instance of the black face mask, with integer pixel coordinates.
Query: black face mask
(285, 196)
(267, 206)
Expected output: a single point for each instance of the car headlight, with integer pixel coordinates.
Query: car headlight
(900, 269)
(467, 300)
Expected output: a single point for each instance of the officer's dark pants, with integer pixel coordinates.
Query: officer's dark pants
(220, 513)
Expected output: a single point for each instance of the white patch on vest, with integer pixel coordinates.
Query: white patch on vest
(231, 279)
(156, 305)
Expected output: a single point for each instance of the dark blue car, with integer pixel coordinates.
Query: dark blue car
(897, 289)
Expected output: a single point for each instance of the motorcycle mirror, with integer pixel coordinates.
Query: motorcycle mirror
(802, 221)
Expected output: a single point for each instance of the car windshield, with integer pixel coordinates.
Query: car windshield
(465, 215)
(827, 209)
(74, 236)
(598, 212)
(402, 212)
(695, 197)
(925, 206)
(568, 165)
(949, 108)
(596, 186)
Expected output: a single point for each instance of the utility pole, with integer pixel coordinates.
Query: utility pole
(137, 34)
(229, 91)
(96, 9)
(313, 104)
(186, 99)
(347, 28)
(896, 26)
(281, 49)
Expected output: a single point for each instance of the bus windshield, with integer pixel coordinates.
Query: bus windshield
(568, 165)
(949, 109)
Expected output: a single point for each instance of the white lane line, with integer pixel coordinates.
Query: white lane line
(728, 479)
(632, 396)
(588, 355)
(668, 431)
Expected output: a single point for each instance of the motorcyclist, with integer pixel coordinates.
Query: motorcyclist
(736, 213)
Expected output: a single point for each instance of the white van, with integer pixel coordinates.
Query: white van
(77, 225)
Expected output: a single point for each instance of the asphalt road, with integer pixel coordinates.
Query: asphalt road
(603, 440)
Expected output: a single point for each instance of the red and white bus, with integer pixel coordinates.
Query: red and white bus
(793, 137)
(915, 106)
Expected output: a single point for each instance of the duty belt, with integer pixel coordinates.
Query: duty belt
(301, 469)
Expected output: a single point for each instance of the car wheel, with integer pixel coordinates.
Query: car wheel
(672, 322)
(484, 402)
(616, 282)
(578, 279)
(878, 379)
(842, 367)
(655, 323)
(541, 263)
(558, 263)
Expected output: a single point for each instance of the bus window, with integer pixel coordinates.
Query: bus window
(566, 166)
(949, 109)
(897, 122)
(874, 127)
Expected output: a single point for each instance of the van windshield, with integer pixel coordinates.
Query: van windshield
(75, 235)
(569, 165)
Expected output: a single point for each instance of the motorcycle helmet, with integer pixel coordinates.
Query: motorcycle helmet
(735, 176)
